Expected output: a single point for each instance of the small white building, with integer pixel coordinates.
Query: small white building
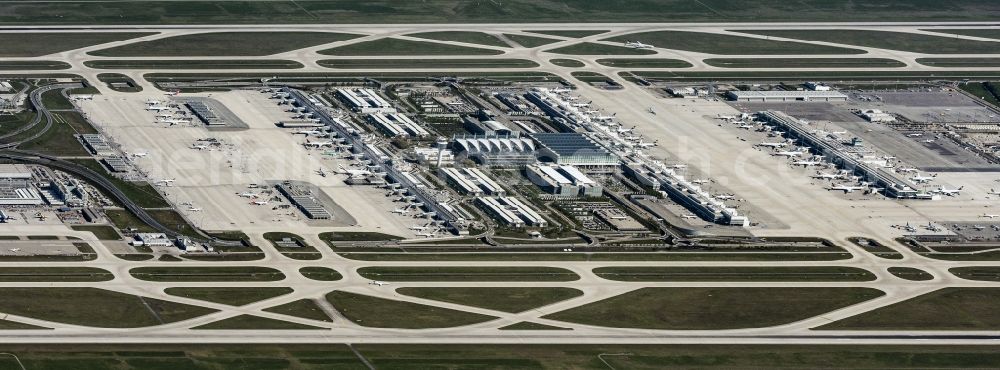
(152, 240)
(877, 116)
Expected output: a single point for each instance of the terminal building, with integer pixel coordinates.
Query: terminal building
(835, 152)
(365, 101)
(495, 150)
(795, 95)
(690, 195)
(511, 211)
(563, 180)
(573, 149)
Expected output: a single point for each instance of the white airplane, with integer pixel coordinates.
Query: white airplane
(158, 108)
(310, 132)
(379, 283)
(166, 182)
(420, 228)
(906, 169)
(949, 192)
(248, 195)
(915, 135)
(845, 188)
(637, 45)
(773, 145)
(152, 102)
(426, 235)
(789, 153)
(922, 179)
(138, 154)
(805, 163)
(725, 196)
(699, 181)
(318, 144)
(650, 110)
(989, 216)
(353, 172)
(260, 202)
(993, 192)
(194, 209)
(727, 118)
(688, 217)
(400, 210)
(827, 176)
(199, 146)
(175, 121)
(643, 144)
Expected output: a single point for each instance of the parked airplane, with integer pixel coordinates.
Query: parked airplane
(248, 195)
(827, 176)
(379, 283)
(199, 146)
(138, 154)
(318, 144)
(194, 209)
(922, 179)
(773, 145)
(949, 192)
(158, 108)
(688, 217)
(353, 172)
(260, 202)
(400, 210)
(805, 163)
(790, 153)
(993, 192)
(643, 144)
(845, 188)
(637, 45)
(310, 132)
